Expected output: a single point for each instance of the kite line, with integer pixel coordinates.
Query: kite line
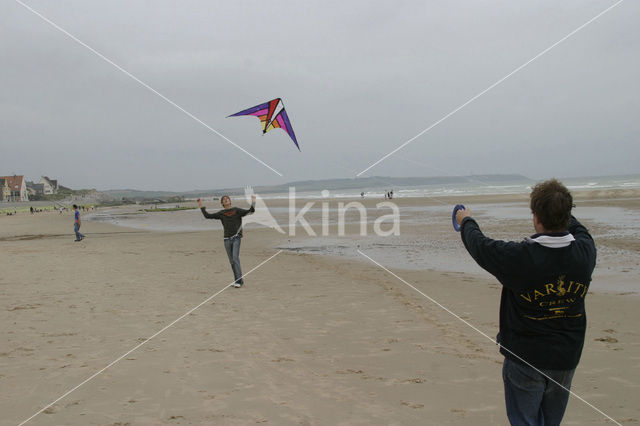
(145, 85)
(489, 88)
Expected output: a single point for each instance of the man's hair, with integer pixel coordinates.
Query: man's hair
(551, 202)
(75, 206)
(223, 197)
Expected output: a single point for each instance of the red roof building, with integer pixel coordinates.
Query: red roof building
(17, 188)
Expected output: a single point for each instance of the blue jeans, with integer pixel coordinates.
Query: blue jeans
(533, 399)
(233, 251)
(76, 229)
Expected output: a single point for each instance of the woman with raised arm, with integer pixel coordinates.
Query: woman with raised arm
(231, 218)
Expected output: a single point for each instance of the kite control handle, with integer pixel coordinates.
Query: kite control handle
(453, 216)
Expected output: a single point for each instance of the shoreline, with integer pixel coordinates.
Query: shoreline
(427, 241)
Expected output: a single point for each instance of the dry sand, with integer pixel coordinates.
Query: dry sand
(309, 340)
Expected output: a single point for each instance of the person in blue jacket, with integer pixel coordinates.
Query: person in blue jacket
(545, 280)
(77, 223)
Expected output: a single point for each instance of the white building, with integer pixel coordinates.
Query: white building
(50, 185)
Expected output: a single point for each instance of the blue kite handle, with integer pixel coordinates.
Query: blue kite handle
(453, 216)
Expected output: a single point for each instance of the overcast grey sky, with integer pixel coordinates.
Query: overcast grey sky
(358, 78)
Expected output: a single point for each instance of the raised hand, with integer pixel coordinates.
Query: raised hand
(461, 214)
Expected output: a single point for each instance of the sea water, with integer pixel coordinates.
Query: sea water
(473, 186)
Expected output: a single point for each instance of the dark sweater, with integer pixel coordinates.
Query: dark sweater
(231, 219)
(542, 313)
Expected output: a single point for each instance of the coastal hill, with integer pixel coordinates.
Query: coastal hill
(363, 184)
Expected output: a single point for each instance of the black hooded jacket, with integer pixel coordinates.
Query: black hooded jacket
(545, 279)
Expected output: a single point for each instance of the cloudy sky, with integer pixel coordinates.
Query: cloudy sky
(358, 79)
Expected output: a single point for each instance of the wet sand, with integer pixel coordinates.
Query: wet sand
(309, 340)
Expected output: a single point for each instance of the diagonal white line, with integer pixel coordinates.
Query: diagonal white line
(136, 79)
(488, 337)
(492, 86)
(146, 341)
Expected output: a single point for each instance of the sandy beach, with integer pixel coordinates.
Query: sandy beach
(327, 339)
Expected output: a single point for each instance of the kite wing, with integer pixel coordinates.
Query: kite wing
(263, 111)
(281, 120)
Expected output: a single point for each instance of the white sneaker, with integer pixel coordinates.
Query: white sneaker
(237, 285)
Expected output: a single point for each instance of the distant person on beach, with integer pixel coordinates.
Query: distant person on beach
(77, 223)
(545, 279)
(231, 218)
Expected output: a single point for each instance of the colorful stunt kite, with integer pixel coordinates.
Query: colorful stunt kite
(265, 112)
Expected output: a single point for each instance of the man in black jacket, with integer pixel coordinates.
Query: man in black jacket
(545, 279)
(231, 218)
